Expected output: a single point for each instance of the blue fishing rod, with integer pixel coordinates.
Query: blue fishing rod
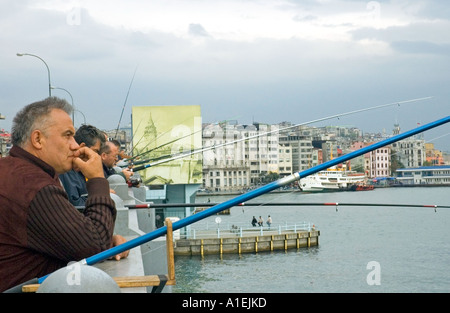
(252, 194)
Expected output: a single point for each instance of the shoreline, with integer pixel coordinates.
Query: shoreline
(234, 193)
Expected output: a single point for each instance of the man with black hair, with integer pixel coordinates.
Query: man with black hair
(74, 181)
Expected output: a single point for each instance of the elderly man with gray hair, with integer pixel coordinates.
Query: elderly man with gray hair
(40, 230)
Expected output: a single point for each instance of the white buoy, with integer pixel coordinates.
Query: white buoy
(77, 278)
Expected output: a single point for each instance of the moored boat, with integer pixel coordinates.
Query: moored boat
(361, 187)
(332, 179)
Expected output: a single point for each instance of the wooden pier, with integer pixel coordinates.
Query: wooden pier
(247, 243)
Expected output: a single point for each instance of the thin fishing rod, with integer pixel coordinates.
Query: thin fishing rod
(279, 204)
(126, 99)
(210, 204)
(183, 155)
(252, 194)
(154, 140)
(158, 147)
(133, 134)
(164, 156)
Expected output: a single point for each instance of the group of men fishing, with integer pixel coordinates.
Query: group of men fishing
(41, 230)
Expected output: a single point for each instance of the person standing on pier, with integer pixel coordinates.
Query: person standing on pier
(260, 221)
(269, 221)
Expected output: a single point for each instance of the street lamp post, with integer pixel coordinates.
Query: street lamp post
(48, 69)
(73, 106)
(84, 117)
(2, 117)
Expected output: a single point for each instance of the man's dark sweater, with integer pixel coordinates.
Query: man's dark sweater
(40, 230)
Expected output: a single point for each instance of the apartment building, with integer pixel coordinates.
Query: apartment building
(301, 148)
(243, 154)
(377, 163)
(410, 151)
(285, 159)
(226, 165)
(433, 156)
(380, 162)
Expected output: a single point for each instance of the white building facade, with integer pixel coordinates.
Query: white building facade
(242, 154)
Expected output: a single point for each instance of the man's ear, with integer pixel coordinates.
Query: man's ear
(37, 139)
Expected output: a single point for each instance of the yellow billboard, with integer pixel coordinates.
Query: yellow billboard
(164, 138)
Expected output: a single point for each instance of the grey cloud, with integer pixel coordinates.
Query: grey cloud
(435, 9)
(437, 31)
(421, 47)
(423, 37)
(55, 34)
(304, 18)
(198, 30)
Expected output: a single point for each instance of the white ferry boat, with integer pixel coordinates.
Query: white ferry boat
(332, 179)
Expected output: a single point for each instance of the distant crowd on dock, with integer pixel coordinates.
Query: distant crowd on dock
(260, 221)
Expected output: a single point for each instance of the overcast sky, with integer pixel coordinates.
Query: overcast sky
(267, 61)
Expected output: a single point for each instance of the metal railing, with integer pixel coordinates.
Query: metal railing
(228, 229)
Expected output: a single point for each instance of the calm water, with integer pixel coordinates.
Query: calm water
(410, 245)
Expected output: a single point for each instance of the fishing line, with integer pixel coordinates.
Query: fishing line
(183, 155)
(133, 134)
(439, 137)
(428, 141)
(154, 140)
(159, 147)
(126, 99)
(134, 146)
(255, 208)
(167, 156)
(176, 139)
